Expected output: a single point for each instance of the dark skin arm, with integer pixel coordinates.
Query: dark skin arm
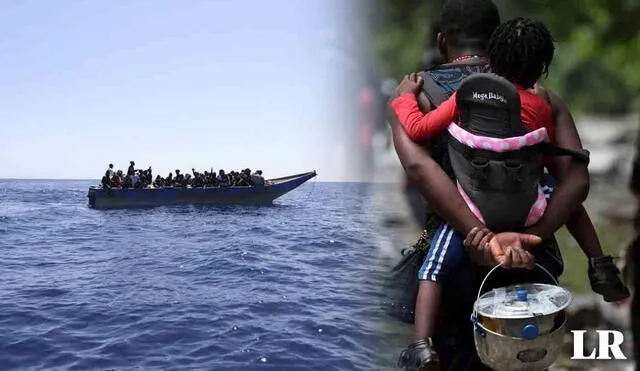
(443, 197)
(432, 182)
(572, 176)
(582, 229)
(579, 224)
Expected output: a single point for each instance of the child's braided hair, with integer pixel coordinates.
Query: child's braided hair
(521, 50)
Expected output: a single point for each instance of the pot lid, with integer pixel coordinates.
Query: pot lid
(523, 301)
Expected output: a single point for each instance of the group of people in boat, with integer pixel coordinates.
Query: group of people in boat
(139, 178)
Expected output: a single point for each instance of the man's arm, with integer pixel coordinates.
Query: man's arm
(432, 182)
(443, 198)
(572, 175)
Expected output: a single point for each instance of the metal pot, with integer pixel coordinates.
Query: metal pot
(520, 327)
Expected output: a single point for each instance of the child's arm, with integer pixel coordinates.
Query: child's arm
(422, 127)
(580, 226)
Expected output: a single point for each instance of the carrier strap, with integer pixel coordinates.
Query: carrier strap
(432, 90)
(545, 148)
(579, 154)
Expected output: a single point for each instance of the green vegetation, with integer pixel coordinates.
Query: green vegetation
(597, 63)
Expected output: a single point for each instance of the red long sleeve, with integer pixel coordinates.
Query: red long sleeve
(535, 113)
(422, 127)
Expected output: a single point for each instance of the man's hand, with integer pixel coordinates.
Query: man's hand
(477, 245)
(524, 240)
(508, 248)
(410, 84)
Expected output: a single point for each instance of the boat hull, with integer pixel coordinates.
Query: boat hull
(101, 198)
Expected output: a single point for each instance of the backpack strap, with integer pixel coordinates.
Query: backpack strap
(545, 148)
(432, 90)
(549, 149)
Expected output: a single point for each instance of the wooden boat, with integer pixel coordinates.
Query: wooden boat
(105, 198)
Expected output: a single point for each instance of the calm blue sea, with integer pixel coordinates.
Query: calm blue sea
(285, 287)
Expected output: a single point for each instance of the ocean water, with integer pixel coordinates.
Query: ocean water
(284, 287)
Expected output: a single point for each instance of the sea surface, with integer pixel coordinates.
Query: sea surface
(284, 287)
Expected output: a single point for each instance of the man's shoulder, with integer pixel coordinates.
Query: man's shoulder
(448, 77)
(438, 69)
(555, 102)
(535, 101)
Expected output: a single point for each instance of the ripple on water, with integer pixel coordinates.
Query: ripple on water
(185, 287)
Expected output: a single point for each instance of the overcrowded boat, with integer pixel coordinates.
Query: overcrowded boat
(136, 188)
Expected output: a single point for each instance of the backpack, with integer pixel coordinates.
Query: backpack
(496, 160)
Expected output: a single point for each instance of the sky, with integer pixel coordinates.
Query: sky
(173, 84)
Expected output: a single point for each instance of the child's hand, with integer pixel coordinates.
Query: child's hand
(542, 92)
(410, 84)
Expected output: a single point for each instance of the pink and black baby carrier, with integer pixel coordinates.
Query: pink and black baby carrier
(496, 159)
